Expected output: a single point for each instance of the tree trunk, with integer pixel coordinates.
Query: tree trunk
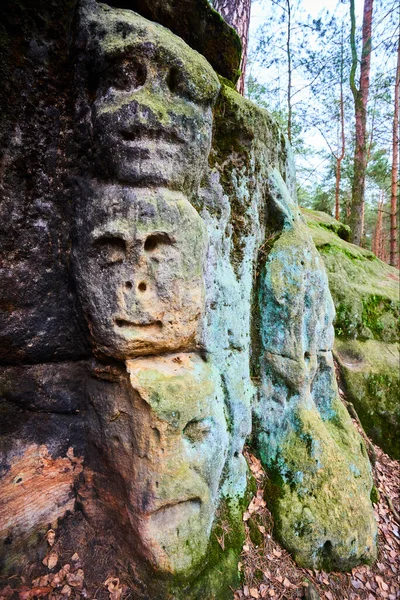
(377, 243)
(340, 157)
(237, 14)
(360, 95)
(395, 166)
(289, 59)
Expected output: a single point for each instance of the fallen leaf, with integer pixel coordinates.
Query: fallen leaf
(51, 537)
(277, 553)
(66, 591)
(76, 579)
(36, 592)
(287, 583)
(75, 557)
(329, 595)
(254, 593)
(50, 560)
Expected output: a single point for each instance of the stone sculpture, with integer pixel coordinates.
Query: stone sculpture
(191, 302)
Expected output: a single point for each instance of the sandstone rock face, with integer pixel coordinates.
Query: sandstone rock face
(179, 298)
(366, 295)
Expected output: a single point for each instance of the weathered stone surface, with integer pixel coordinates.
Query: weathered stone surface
(366, 295)
(190, 299)
(138, 261)
(320, 476)
(370, 370)
(199, 25)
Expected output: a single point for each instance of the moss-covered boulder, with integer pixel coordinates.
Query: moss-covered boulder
(365, 291)
(319, 475)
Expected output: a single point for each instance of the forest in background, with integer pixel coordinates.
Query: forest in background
(333, 84)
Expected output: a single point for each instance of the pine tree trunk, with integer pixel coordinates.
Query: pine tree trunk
(395, 166)
(289, 61)
(377, 243)
(237, 14)
(343, 140)
(360, 95)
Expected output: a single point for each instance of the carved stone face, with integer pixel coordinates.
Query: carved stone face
(168, 440)
(148, 100)
(138, 261)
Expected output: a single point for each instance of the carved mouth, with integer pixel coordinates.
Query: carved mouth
(193, 504)
(139, 134)
(152, 326)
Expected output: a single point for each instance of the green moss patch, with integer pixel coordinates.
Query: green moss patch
(365, 290)
(371, 374)
(319, 493)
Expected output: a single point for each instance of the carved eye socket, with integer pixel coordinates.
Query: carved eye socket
(111, 249)
(175, 81)
(181, 84)
(197, 430)
(128, 76)
(155, 240)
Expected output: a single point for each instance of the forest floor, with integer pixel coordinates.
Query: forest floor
(270, 572)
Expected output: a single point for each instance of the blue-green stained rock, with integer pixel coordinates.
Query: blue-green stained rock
(320, 477)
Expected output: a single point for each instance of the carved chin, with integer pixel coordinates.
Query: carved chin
(176, 525)
(130, 340)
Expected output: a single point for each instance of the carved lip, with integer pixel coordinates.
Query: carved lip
(125, 324)
(140, 134)
(195, 501)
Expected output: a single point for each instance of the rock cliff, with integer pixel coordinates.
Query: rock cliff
(162, 303)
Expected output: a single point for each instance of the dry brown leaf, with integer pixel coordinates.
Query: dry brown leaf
(272, 593)
(356, 584)
(76, 579)
(263, 590)
(50, 560)
(277, 553)
(41, 581)
(75, 557)
(329, 595)
(246, 516)
(254, 593)
(36, 592)
(287, 583)
(51, 537)
(66, 590)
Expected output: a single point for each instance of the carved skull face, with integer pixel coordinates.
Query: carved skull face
(138, 262)
(148, 100)
(167, 438)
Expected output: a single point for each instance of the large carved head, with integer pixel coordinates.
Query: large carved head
(146, 99)
(138, 263)
(165, 435)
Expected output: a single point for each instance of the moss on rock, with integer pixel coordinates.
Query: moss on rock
(365, 290)
(366, 294)
(370, 371)
(320, 492)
